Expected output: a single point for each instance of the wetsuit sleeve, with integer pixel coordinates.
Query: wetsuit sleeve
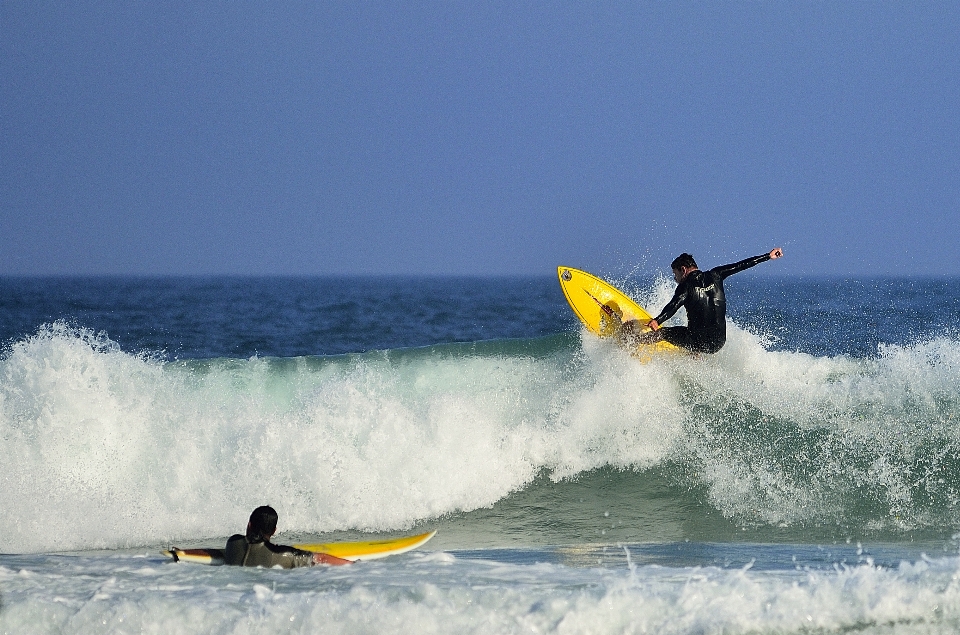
(679, 297)
(289, 557)
(302, 558)
(728, 270)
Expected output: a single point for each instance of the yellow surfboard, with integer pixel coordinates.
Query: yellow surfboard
(369, 550)
(602, 308)
(353, 551)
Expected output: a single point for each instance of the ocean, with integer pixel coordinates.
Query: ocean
(805, 479)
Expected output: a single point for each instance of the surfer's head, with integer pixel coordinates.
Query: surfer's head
(683, 265)
(263, 524)
(683, 261)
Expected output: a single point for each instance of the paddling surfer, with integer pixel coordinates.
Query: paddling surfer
(254, 549)
(701, 294)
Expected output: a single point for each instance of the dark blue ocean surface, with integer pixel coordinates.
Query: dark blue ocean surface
(285, 317)
(189, 318)
(834, 316)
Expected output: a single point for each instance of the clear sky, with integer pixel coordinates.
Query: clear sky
(482, 137)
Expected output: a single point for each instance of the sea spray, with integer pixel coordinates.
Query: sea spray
(788, 438)
(110, 449)
(377, 441)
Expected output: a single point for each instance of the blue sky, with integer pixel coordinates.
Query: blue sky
(477, 137)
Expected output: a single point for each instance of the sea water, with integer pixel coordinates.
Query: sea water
(805, 479)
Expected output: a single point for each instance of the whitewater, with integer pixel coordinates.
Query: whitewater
(772, 487)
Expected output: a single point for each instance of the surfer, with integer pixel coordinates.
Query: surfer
(255, 549)
(701, 294)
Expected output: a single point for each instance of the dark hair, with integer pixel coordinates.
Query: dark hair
(263, 523)
(683, 260)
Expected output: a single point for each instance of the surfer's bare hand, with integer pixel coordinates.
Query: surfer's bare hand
(327, 559)
(776, 253)
(653, 325)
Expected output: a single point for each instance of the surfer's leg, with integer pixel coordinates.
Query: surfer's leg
(648, 337)
(707, 342)
(693, 341)
(632, 333)
(678, 336)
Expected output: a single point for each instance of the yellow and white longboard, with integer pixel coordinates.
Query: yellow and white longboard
(352, 551)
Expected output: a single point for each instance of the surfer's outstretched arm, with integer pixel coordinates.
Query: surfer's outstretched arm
(728, 270)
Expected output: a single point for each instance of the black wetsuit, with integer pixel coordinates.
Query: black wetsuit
(701, 294)
(263, 553)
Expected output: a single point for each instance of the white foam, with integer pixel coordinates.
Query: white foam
(872, 418)
(103, 449)
(427, 595)
(108, 450)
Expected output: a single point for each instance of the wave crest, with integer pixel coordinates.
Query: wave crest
(106, 449)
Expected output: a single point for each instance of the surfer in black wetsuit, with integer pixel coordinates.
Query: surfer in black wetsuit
(255, 549)
(701, 294)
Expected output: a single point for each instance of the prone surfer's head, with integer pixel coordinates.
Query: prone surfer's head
(263, 524)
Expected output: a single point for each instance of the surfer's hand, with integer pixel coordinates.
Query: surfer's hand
(776, 253)
(653, 325)
(326, 558)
